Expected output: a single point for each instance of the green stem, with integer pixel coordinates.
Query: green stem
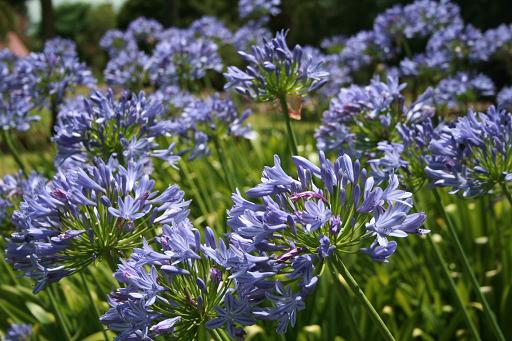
(223, 163)
(292, 141)
(344, 296)
(60, 316)
(453, 287)
(506, 192)
(342, 269)
(216, 336)
(91, 301)
(12, 149)
(224, 336)
(467, 268)
(185, 172)
(111, 261)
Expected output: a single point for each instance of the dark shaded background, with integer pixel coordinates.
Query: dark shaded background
(309, 21)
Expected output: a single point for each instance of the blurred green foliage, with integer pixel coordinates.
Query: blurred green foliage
(86, 24)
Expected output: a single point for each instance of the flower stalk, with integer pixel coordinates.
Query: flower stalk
(91, 301)
(292, 141)
(453, 287)
(14, 152)
(358, 292)
(489, 314)
(60, 316)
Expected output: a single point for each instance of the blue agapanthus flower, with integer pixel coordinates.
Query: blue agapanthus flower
(183, 58)
(275, 71)
(116, 41)
(499, 37)
(504, 98)
(407, 157)
(173, 98)
(103, 125)
(462, 88)
(338, 73)
(19, 332)
(472, 156)
(145, 31)
(15, 111)
(417, 20)
(258, 8)
(360, 50)
(212, 118)
(211, 27)
(301, 222)
(127, 69)
(49, 75)
(86, 215)
(16, 105)
(458, 42)
(359, 118)
(333, 44)
(252, 33)
(12, 189)
(178, 286)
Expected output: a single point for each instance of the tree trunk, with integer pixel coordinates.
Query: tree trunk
(47, 22)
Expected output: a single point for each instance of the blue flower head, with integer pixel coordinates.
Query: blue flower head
(51, 74)
(274, 71)
(178, 286)
(182, 58)
(12, 190)
(303, 221)
(16, 103)
(127, 69)
(103, 125)
(504, 98)
(85, 215)
(19, 332)
(209, 119)
(359, 118)
(472, 156)
(258, 8)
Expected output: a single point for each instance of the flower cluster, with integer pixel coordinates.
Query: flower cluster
(101, 126)
(314, 218)
(85, 215)
(247, 8)
(504, 98)
(463, 88)
(173, 98)
(182, 59)
(211, 27)
(275, 71)
(145, 31)
(207, 119)
(115, 41)
(146, 54)
(472, 156)
(417, 20)
(407, 156)
(359, 118)
(178, 287)
(458, 42)
(127, 69)
(19, 332)
(12, 190)
(15, 104)
(451, 45)
(47, 76)
(252, 33)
